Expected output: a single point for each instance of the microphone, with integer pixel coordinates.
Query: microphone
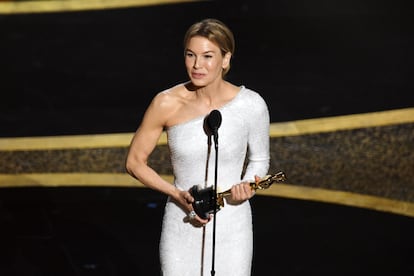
(213, 123)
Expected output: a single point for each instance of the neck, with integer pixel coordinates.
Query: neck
(208, 89)
(212, 95)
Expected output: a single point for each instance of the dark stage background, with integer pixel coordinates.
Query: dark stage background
(92, 72)
(115, 232)
(96, 71)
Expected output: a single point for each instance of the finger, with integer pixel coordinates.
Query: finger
(198, 221)
(242, 192)
(192, 215)
(202, 221)
(188, 197)
(246, 191)
(235, 191)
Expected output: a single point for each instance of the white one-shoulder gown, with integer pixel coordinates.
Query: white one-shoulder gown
(184, 249)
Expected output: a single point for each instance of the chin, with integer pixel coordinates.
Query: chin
(199, 83)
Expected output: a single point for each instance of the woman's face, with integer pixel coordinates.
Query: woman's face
(204, 61)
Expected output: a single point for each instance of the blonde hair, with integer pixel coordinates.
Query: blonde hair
(215, 31)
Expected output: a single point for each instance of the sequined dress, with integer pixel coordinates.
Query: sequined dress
(185, 249)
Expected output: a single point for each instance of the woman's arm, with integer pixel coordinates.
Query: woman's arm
(142, 145)
(258, 123)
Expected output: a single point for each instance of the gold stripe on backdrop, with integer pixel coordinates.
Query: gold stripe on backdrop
(340, 197)
(70, 179)
(301, 127)
(346, 122)
(16, 7)
(69, 142)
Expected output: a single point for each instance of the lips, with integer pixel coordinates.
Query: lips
(197, 75)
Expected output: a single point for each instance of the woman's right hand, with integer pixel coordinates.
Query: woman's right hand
(185, 200)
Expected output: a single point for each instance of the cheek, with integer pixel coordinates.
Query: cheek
(213, 65)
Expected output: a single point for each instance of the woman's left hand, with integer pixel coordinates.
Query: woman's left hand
(241, 192)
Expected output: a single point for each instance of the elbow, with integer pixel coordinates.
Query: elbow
(135, 166)
(130, 164)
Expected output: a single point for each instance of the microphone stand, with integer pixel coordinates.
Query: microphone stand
(213, 272)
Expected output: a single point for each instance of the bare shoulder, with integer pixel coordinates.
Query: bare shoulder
(169, 98)
(166, 104)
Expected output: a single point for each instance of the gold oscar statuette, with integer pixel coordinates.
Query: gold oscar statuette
(204, 197)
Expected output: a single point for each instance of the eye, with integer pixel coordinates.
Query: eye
(208, 56)
(189, 54)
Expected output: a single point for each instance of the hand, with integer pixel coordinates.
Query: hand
(241, 192)
(195, 220)
(184, 199)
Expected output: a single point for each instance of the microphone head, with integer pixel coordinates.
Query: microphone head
(214, 120)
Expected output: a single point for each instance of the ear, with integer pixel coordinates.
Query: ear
(226, 60)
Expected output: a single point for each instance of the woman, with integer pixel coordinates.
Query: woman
(186, 239)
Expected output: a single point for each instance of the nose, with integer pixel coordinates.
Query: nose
(196, 63)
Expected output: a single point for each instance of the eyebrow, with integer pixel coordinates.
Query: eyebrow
(206, 52)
